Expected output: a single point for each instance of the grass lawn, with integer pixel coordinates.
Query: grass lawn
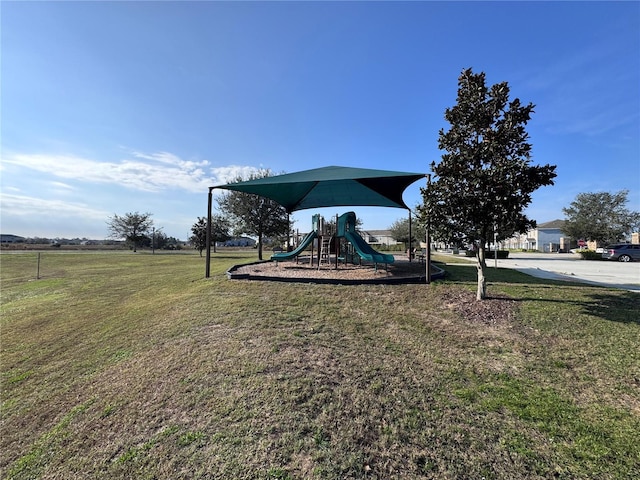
(121, 365)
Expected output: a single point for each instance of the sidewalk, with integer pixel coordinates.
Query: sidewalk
(571, 267)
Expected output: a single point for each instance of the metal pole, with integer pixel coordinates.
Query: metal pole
(207, 270)
(410, 236)
(427, 259)
(337, 241)
(38, 271)
(153, 240)
(495, 246)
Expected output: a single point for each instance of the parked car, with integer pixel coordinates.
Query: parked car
(623, 252)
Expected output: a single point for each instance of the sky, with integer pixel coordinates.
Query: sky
(116, 107)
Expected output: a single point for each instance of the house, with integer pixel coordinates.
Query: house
(547, 237)
(372, 237)
(238, 242)
(7, 238)
(378, 237)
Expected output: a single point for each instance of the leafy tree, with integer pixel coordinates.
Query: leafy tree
(252, 214)
(162, 241)
(132, 227)
(158, 239)
(219, 232)
(484, 180)
(601, 217)
(400, 231)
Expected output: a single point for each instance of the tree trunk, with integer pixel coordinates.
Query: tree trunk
(482, 281)
(260, 246)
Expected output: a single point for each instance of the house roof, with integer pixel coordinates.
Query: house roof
(378, 233)
(551, 224)
(9, 236)
(331, 186)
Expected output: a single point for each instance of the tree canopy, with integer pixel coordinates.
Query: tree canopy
(219, 232)
(132, 227)
(400, 231)
(254, 215)
(485, 179)
(163, 241)
(602, 217)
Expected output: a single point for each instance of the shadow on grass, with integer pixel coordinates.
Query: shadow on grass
(614, 306)
(623, 307)
(467, 273)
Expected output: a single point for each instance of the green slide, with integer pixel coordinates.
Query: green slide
(365, 251)
(306, 241)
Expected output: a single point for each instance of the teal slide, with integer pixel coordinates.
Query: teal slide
(365, 251)
(306, 241)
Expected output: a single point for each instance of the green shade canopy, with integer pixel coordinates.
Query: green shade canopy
(330, 187)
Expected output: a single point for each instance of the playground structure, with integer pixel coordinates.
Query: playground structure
(345, 243)
(330, 186)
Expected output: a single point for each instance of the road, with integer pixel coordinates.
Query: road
(571, 267)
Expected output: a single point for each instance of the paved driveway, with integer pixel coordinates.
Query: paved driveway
(569, 266)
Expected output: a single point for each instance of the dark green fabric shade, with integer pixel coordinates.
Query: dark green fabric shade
(331, 186)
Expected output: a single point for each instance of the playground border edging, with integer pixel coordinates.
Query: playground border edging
(233, 275)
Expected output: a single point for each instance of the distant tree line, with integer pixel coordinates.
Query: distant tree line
(137, 230)
(65, 241)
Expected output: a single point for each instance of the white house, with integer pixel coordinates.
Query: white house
(378, 237)
(547, 237)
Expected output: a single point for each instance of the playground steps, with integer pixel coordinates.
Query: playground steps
(325, 250)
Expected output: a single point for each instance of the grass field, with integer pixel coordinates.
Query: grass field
(121, 365)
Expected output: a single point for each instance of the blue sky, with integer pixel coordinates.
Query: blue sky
(116, 107)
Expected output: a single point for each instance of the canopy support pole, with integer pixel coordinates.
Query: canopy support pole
(207, 270)
(336, 241)
(427, 257)
(410, 236)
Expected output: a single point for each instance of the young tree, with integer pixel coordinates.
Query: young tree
(133, 227)
(162, 241)
(602, 217)
(219, 232)
(400, 231)
(484, 180)
(253, 214)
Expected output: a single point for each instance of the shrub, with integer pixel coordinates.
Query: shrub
(590, 255)
(502, 254)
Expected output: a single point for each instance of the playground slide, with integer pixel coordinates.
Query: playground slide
(365, 251)
(294, 253)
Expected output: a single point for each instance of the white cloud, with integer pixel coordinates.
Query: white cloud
(61, 186)
(23, 206)
(224, 175)
(153, 172)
